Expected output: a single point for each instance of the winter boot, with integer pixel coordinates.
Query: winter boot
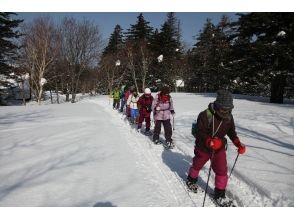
(147, 132)
(157, 142)
(220, 198)
(192, 184)
(170, 145)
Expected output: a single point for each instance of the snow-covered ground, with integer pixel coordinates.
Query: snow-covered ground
(86, 154)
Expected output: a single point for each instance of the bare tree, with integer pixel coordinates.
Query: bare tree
(39, 51)
(112, 71)
(81, 46)
(145, 60)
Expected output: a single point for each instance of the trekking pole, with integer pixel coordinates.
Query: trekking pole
(173, 123)
(234, 165)
(208, 178)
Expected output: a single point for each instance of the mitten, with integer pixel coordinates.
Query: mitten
(241, 147)
(172, 112)
(214, 143)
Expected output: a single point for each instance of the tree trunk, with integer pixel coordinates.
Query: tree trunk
(57, 94)
(67, 93)
(51, 96)
(40, 95)
(277, 89)
(23, 93)
(73, 97)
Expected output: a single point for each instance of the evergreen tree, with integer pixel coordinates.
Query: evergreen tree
(210, 57)
(167, 43)
(140, 31)
(115, 41)
(174, 24)
(203, 59)
(7, 46)
(267, 39)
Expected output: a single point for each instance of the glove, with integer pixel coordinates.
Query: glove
(214, 143)
(241, 147)
(148, 108)
(172, 112)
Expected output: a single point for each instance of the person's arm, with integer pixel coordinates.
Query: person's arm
(235, 139)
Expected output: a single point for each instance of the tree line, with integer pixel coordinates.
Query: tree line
(252, 55)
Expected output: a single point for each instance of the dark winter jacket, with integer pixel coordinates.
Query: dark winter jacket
(204, 128)
(145, 104)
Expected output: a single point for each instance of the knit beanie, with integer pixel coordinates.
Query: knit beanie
(224, 99)
(147, 91)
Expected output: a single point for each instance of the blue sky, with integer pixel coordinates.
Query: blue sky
(191, 22)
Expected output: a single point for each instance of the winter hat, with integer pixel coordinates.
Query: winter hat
(132, 88)
(224, 99)
(147, 91)
(165, 90)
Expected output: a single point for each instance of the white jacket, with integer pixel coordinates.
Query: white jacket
(132, 101)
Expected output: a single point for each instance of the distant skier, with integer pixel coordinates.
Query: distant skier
(162, 107)
(116, 98)
(213, 124)
(122, 98)
(132, 104)
(145, 104)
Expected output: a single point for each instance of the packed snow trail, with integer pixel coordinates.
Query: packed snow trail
(159, 162)
(81, 155)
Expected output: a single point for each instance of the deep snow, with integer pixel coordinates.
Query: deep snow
(86, 154)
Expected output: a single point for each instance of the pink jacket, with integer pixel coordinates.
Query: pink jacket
(162, 110)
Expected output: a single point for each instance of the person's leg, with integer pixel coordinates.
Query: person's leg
(167, 130)
(117, 104)
(219, 166)
(147, 121)
(157, 129)
(122, 104)
(136, 115)
(199, 161)
(141, 119)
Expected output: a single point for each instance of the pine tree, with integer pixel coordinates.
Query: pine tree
(115, 41)
(203, 59)
(140, 31)
(7, 46)
(211, 57)
(167, 43)
(267, 39)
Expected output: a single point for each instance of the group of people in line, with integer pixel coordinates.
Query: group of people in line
(212, 125)
(139, 108)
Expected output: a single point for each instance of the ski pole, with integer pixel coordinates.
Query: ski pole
(208, 178)
(173, 123)
(234, 165)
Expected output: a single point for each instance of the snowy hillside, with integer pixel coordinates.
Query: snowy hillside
(86, 154)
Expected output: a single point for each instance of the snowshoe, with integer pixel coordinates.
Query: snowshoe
(192, 186)
(224, 202)
(169, 145)
(147, 133)
(157, 142)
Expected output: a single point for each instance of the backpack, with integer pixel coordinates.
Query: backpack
(194, 124)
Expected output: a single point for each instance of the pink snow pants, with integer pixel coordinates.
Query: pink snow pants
(219, 166)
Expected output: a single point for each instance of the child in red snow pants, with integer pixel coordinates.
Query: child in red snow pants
(219, 166)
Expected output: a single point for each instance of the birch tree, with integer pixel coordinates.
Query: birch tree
(39, 50)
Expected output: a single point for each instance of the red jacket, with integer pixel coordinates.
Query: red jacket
(145, 104)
